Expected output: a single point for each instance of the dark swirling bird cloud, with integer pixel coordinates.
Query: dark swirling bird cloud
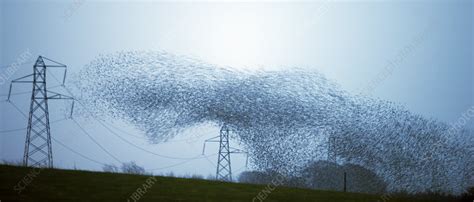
(284, 118)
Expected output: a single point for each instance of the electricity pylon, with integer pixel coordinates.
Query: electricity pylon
(38, 150)
(224, 169)
(332, 155)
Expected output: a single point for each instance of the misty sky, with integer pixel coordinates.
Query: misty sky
(351, 43)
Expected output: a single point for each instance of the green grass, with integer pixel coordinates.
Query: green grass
(71, 185)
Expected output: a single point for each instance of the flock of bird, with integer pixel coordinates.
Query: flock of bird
(284, 118)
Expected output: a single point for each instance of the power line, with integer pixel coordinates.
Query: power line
(72, 150)
(154, 169)
(83, 130)
(141, 137)
(90, 159)
(174, 165)
(19, 110)
(209, 160)
(124, 132)
(12, 130)
(241, 168)
(24, 128)
(120, 137)
(26, 92)
(101, 163)
(65, 146)
(145, 150)
(23, 63)
(62, 144)
(101, 123)
(95, 141)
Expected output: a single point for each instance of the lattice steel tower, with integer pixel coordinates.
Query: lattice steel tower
(38, 150)
(224, 169)
(332, 155)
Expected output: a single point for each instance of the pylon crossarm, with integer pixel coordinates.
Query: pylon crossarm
(56, 63)
(64, 74)
(239, 151)
(18, 80)
(59, 96)
(54, 66)
(213, 139)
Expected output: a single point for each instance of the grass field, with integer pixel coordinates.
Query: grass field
(28, 184)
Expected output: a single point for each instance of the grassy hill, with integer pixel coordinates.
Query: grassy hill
(28, 184)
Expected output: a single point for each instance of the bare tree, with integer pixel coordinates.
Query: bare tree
(110, 168)
(133, 168)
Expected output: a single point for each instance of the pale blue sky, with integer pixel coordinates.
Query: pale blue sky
(350, 42)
